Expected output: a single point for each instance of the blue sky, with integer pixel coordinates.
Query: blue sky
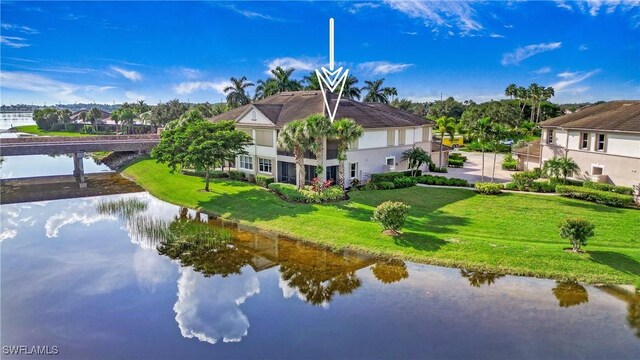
(125, 51)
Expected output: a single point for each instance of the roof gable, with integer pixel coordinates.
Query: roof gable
(610, 116)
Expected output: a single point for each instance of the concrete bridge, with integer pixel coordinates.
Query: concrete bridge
(77, 146)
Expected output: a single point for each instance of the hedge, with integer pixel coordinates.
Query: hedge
(264, 180)
(456, 162)
(488, 188)
(597, 196)
(404, 181)
(214, 174)
(608, 187)
(441, 180)
(289, 192)
(457, 156)
(236, 175)
(434, 168)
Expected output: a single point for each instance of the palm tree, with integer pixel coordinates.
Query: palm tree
(345, 131)
(535, 92)
(282, 80)
(546, 94)
(311, 81)
(481, 132)
(236, 92)
(522, 94)
(497, 132)
(377, 93)
(292, 137)
(511, 90)
(317, 128)
(94, 115)
(351, 91)
(551, 167)
(444, 126)
(416, 157)
(526, 128)
(567, 165)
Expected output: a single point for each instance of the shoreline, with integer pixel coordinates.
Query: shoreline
(421, 258)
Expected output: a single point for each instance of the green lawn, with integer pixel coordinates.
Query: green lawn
(33, 129)
(511, 233)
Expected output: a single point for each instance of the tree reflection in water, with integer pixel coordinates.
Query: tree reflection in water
(633, 304)
(570, 293)
(479, 278)
(390, 271)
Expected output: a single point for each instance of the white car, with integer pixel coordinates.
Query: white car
(507, 142)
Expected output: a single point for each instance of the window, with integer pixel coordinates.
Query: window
(264, 165)
(391, 137)
(402, 135)
(425, 134)
(600, 142)
(597, 170)
(550, 136)
(391, 160)
(246, 162)
(247, 130)
(254, 117)
(353, 170)
(354, 145)
(264, 138)
(332, 173)
(584, 140)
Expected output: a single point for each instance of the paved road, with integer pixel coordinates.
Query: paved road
(472, 170)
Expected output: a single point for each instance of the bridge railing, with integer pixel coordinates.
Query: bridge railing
(68, 139)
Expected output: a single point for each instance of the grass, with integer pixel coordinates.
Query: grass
(33, 129)
(509, 233)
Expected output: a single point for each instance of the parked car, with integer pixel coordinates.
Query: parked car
(507, 142)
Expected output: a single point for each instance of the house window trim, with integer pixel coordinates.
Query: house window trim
(352, 170)
(581, 140)
(270, 165)
(604, 142)
(550, 137)
(386, 160)
(393, 137)
(241, 163)
(402, 137)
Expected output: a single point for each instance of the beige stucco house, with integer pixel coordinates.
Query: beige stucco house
(604, 140)
(388, 132)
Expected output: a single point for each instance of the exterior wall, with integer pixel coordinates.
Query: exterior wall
(257, 151)
(435, 157)
(620, 161)
(534, 162)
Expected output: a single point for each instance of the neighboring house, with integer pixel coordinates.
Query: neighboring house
(435, 154)
(604, 140)
(105, 116)
(533, 151)
(387, 133)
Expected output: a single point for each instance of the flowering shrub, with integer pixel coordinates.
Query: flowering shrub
(318, 185)
(391, 215)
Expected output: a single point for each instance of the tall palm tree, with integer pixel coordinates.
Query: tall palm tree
(377, 93)
(311, 81)
(511, 90)
(317, 128)
(522, 94)
(546, 94)
(351, 91)
(481, 132)
(526, 128)
(282, 80)
(535, 92)
(292, 137)
(345, 131)
(444, 126)
(94, 116)
(236, 92)
(498, 132)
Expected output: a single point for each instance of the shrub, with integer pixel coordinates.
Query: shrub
(251, 178)
(307, 195)
(287, 191)
(391, 215)
(543, 187)
(87, 129)
(525, 179)
(417, 172)
(390, 176)
(441, 180)
(236, 175)
(69, 127)
(433, 168)
(457, 156)
(384, 185)
(608, 187)
(509, 163)
(355, 183)
(403, 182)
(556, 181)
(57, 127)
(214, 174)
(577, 231)
(264, 181)
(597, 196)
(488, 188)
(455, 162)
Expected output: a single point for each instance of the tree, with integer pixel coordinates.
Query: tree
(201, 144)
(64, 116)
(448, 107)
(378, 93)
(511, 91)
(94, 116)
(345, 131)
(526, 128)
(45, 118)
(481, 132)
(236, 92)
(163, 113)
(279, 81)
(317, 128)
(497, 133)
(293, 138)
(127, 116)
(416, 157)
(578, 231)
(391, 215)
(311, 81)
(444, 126)
(351, 91)
(560, 166)
(115, 116)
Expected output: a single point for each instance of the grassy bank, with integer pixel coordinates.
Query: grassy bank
(33, 129)
(509, 233)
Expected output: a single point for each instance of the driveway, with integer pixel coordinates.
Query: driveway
(472, 170)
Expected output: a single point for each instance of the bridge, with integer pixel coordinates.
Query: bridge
(77, 146)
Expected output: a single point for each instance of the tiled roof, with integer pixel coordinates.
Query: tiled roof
(534, 149)
(289, 106)
(617, 115)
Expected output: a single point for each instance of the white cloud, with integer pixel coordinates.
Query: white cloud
(134, 96)
(382, 67)
(583, 47)
(564, 5)
(413, 33)
(438, 14)
(356, 7)
(129, 74)
(497, 36)
(251, 14)
(593, 7)
(572, 78)
(14, 41)
(303, 63)
(528, 51)
(19, 28)
(189, 87)
(543, 70)
(36, 83)
(189, 73)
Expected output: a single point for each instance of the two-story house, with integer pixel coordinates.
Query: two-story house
(604, 140)
(387, 133)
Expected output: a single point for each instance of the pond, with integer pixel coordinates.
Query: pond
(130, 276)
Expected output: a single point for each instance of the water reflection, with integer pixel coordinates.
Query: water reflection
(632, 298)
(480, 278)
(390, 271)
(570, 293)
